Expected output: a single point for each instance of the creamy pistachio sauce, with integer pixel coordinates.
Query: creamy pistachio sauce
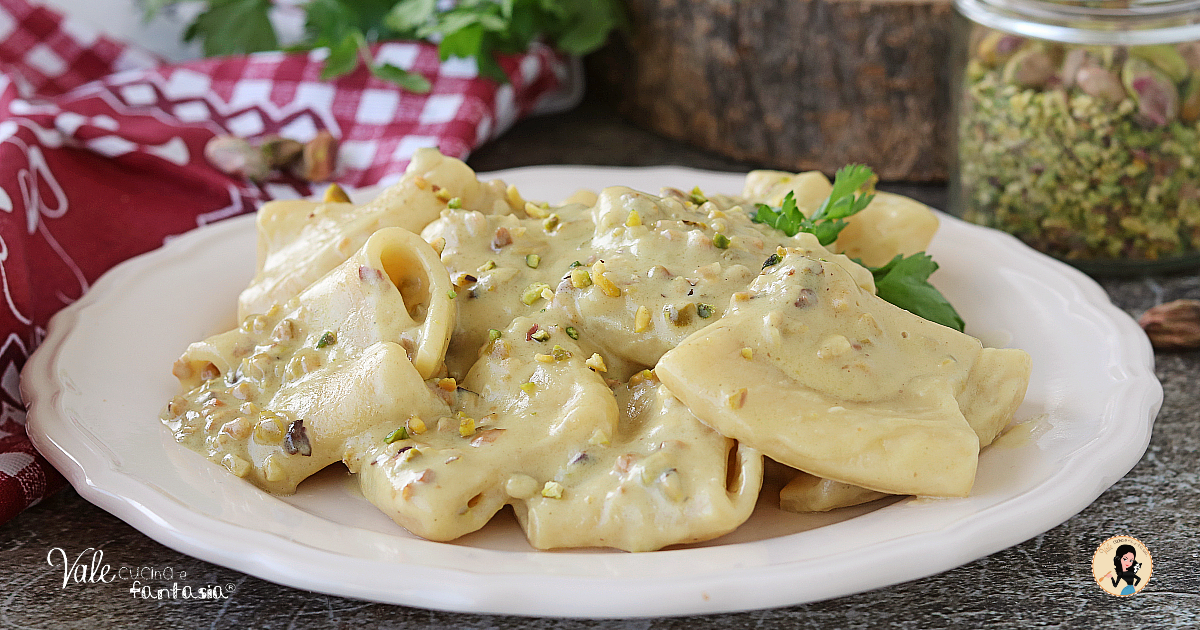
(613, 368)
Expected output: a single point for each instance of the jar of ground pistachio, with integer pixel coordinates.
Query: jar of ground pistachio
(1078, 128)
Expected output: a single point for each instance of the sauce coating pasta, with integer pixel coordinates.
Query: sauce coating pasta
(615, 367)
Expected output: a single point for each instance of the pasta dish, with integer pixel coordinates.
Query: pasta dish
(617, 368)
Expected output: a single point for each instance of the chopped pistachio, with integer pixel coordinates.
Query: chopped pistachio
(533, 292)
(540, 334)
(605, 285)
(771, 261)
(737, 399)
(596, 363)
(580, 278)
(641, 320)
(704, 310)
(487, 266)
(720, 241)
(328, 338)
(396, 436)
(560, 353)
(552, 490)
(574, 264)
(697, 197)
(572, 333)
(452, 294)
(537, 211)
(336, 194)
(454, 203)
(493, 334)
(550, 222)
(529, 387)
(532, 261)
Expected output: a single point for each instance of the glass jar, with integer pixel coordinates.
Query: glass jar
(1078, 128)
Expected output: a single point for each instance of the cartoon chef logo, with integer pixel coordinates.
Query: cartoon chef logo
(1122, 566)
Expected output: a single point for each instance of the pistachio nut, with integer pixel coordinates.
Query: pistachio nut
(1030, 68)
(1165, 57)
(1074, 60)
(319, 158)
(235, 156)
(280, 152)
(1100, 83)
(336, 194)
(1153, 91)
(996, 47)
(1174, 325)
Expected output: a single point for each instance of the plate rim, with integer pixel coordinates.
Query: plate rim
(99, 483)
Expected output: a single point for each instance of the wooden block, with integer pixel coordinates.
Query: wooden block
(794, 84)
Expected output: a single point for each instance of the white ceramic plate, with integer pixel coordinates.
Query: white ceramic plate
(97, 383)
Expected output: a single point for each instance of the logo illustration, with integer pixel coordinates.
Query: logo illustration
(1122, 566)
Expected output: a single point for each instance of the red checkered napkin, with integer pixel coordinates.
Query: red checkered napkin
(102, 158)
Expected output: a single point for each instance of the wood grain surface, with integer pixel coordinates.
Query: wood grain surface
(795, 84)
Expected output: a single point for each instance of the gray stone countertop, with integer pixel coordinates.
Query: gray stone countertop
(1045, 582)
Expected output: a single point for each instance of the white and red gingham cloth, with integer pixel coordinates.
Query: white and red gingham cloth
(102, 158)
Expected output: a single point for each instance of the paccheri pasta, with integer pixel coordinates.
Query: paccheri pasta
(615, 367)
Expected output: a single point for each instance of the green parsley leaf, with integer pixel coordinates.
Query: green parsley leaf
(234, 26)
(343, 57)
(411, 81)
(409, 15)
(905, 283)
(828, 221)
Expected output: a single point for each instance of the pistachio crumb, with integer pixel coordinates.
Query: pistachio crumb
(533, 292)
(641, 320)
(529, 387)
(537, 211)
(572, 333)
(704, 310)
(550, 222)
(596, 363)
(737, 399)
(540, 334)
(580, 278)
(532, 261)
(335, 193)
(487, 266)
(452, 294)
(328, 338)
(454, 203)
(720, 241)
(560, 353)
(396, 436)
(552, 490)
(493, 334)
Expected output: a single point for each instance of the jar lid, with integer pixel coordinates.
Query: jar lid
(1103, 22)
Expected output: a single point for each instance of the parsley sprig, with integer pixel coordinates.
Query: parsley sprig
(847, 198)
(903, 281)
(477, 29)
